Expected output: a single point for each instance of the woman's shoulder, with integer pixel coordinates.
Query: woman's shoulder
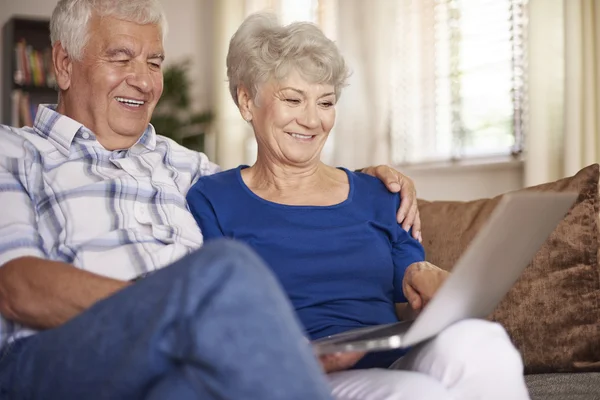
(222, 177)
(367, 184)
(371, 194)
(224, 181)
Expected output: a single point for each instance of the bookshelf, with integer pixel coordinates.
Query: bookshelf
(27, 74)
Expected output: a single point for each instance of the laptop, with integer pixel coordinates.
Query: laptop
(490, 266)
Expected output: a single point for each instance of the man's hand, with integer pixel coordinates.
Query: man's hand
(339, 361)
(408, 213)
(421, 281)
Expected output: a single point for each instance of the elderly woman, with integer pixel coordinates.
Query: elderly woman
(330, 235)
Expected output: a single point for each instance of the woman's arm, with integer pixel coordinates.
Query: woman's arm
(421, 281)
(408, 212)
(405, 312)
(406, 251)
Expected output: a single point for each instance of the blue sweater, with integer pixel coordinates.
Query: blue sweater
(341, 266)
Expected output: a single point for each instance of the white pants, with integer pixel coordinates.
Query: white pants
(472, 359)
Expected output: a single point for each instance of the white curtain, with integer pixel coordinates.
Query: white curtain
(229, 132)
(362, 125)
(582, 84)
(564, 88)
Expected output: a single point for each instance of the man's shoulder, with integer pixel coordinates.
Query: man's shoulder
(12, 133)
(178, 152)
(175, 147)
(17, 142)
(182, 157)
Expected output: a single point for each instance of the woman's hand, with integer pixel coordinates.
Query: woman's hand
(408, 213)
(421, 281)
(339, 361)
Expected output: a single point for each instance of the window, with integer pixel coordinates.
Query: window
(457, 74)
(457, 79)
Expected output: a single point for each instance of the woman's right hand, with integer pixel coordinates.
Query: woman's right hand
(339, 361)
(421, 281)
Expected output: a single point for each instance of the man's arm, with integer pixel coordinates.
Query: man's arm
(33, 291)
(204, 167)
(43, 294)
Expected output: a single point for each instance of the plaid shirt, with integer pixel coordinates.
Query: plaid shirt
(118, 213)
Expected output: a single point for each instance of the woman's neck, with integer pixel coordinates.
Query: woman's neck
(285, 178)
(316, 184)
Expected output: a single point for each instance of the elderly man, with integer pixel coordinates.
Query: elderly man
(92, 199)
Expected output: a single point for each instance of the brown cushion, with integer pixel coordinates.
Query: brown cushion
(553, 311)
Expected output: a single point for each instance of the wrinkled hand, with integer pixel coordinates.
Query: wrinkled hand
(408, 213)
(339, 361)
(421, 281)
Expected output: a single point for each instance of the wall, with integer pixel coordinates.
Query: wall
(467, 181)
(190, 35)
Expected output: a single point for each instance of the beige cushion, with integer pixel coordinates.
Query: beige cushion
(553, 312)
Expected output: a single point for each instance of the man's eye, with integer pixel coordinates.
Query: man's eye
(122, 61)
(293, 101)
(155, 65)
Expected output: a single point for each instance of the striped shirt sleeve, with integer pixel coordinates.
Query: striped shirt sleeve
(18, 228)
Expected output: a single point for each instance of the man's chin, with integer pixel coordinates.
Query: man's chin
(130, 130)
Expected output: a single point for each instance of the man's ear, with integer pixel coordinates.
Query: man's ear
(245, 102)
(63, 66)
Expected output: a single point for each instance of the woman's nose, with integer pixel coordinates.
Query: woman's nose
(310, 117)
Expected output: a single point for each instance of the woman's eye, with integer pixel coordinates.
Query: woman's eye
(327, 104)
(293, 101)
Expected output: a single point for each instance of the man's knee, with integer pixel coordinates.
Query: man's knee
(222, 255)
(223, 263)
(226, 249)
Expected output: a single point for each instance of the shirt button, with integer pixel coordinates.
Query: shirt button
(85, 135)
(140, 214)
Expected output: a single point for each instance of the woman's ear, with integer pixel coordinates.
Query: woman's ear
(63, 66)
(245, 103)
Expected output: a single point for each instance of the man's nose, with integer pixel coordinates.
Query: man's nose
(140, 77)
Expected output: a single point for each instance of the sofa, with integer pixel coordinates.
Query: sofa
(552, 313)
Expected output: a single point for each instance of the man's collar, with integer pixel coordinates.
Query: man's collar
(148, 138)
(57, 128)
(60, 130)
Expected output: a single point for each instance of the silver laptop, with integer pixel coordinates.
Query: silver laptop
(490, 266)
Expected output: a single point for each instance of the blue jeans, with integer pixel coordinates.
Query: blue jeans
(213, 325)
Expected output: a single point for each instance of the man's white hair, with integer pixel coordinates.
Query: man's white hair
(69, 22)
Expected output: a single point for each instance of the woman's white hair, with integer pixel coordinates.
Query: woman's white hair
(262, 49)
(69, 22)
